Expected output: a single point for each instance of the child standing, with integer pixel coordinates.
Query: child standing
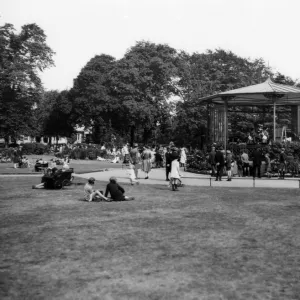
(175, 173)
(228, 164)
(131, 173)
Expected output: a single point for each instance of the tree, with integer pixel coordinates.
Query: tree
(22, 57)
(58, 122)
(210, 73)
(92, 98)
(144, 80)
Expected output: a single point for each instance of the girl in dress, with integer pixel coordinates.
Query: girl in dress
(146, 163)
(175, 174)
(182, 157)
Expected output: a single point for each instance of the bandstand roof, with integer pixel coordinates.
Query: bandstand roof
(265, 93)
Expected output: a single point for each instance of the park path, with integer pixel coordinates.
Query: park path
(157, 176)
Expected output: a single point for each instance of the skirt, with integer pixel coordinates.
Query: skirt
(146, 165)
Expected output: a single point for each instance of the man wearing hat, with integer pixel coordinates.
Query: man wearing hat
(219, 159)
(135, 159)
(90, 194)
(168, 159)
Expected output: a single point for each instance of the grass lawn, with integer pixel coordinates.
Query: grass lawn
(80, 166)
(198, 243)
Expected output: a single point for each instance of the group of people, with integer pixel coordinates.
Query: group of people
(117, 192)
(143, 160)
(137, 160)
(220, 161)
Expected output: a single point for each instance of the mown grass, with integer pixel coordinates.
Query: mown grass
(80, 166)
(198, 243)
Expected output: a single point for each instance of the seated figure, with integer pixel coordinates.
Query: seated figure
(93, 195)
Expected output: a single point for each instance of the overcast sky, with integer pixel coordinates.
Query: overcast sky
(77, 30)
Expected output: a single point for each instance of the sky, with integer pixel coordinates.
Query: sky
(78, 30)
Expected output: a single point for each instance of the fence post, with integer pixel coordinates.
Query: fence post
(210, 182)
(253, 181)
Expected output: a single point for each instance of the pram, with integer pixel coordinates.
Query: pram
(40, 166)
(57, 179)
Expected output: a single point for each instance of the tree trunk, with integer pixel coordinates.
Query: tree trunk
(132, 135)
(146, 135)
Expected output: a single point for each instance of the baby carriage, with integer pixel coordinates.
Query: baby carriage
(40, 166)
(57, 179)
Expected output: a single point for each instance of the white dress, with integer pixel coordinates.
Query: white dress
(175, 169)
(183, 156)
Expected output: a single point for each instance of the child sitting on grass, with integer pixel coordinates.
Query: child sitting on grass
(116, 191)
(90, 194)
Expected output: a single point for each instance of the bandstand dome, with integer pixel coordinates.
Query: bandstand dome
(265, 93)
(262, 94)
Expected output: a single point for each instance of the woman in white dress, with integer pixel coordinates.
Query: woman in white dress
(182, 157)
(175, 174)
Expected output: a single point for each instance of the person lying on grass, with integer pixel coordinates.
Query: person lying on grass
(116, 191)
(90, 194)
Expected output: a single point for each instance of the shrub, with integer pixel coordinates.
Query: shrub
(28, 148)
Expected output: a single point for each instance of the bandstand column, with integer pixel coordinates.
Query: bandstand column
(274, 121)
(225, 124)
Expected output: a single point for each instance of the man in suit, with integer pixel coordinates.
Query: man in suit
(256, 162)
(168, 157)
(219, 160)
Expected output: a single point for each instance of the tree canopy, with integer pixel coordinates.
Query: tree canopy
(22, 56)
(149, 95)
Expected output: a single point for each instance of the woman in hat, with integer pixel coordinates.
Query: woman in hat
(146, 163)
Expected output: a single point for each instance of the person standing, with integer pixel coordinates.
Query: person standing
(282, 163)
(175, 173)
(268, 165)
(168, 160)
(219, 159)
(228, 164)
(146, 163)
(135, 159)
(211, 160)
(16, 158)
(256, 162)
(245, 163)
(183, 157)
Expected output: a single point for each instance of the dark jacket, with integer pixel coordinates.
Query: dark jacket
(168, 159)
(219, 158)
(116, 192)
(256, 158)
(211, 158)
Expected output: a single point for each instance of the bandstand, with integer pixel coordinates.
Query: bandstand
(265, 94)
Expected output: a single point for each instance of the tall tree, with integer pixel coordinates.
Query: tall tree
(22, 57)
(92, 96)
(144, 80)
(58, 121)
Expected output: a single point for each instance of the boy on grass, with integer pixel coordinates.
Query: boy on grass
(116, 191)
(90, 194)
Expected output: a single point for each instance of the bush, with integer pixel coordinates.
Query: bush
(28, 148)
